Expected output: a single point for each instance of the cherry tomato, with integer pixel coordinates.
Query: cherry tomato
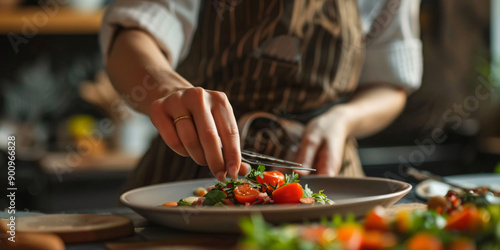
(424, 240)
(245, 193)
(272, 179)
(288, 194)
(351, 235)
(377, 219)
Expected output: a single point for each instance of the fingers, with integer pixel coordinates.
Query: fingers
(307, 151)
(326, 161)
(210, 136)
(244, 169)
(166, 128)
(200, 105)
(189, 137)
(334, 155)
(227, 129)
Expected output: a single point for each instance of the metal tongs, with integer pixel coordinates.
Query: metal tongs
(269, 161)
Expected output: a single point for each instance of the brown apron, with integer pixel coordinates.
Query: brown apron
(244, 48)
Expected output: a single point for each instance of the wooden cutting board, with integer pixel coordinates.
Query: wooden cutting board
(75, 228)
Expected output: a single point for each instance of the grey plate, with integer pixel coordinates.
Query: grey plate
(351, 195)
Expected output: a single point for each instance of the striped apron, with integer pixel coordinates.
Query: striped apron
(244, 48)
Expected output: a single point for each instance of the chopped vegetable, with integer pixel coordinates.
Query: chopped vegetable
(258, 188)
(170, 204)
(467, 226)
(307, 200)
(403, 222)
(376, 219)
(375, 239)
(245, 193)
(252, 176)
(469, 219)
(291, 178)
(213, 197)
(183, 202)
(200, 192)
(319, 197)
(288, 194)
(424, 240)
(271, 179)
(351, 236)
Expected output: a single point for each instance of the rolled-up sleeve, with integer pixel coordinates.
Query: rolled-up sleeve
(393, 50)
(171, 23)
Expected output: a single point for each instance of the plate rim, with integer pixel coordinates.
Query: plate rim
(407, 187)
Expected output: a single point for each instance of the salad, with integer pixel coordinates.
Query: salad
(452, 222)
(259, 187)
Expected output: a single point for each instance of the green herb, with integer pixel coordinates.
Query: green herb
(213, 197)
(319, 197)
(254, 172)
(183, 202)
(291, 178)
(227, 186)
(307, 191)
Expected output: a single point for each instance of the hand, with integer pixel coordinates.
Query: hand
(323, 143)
(210, 137)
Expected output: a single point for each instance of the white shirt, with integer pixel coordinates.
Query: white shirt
(394, 54)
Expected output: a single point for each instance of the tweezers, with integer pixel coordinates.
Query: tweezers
(269, 161)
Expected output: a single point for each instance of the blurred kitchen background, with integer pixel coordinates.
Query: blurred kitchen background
(76, 141)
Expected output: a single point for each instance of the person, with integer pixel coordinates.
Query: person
(340, 68)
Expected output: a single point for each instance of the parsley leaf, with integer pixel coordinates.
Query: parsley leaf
(319, 197)
(213, 197)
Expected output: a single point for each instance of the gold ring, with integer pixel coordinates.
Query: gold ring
(181, 117)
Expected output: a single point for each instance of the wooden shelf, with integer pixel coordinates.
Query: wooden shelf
(62, 21)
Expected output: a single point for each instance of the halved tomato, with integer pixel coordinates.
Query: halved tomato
(288, 194)
(245, 193)
(272, 179)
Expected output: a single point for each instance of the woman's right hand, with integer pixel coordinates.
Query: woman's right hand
(210, 136)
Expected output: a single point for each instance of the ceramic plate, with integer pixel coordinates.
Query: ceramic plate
(351, 195)
(429, 188)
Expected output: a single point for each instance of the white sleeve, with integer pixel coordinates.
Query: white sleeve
(170, 22)
(393, 51)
